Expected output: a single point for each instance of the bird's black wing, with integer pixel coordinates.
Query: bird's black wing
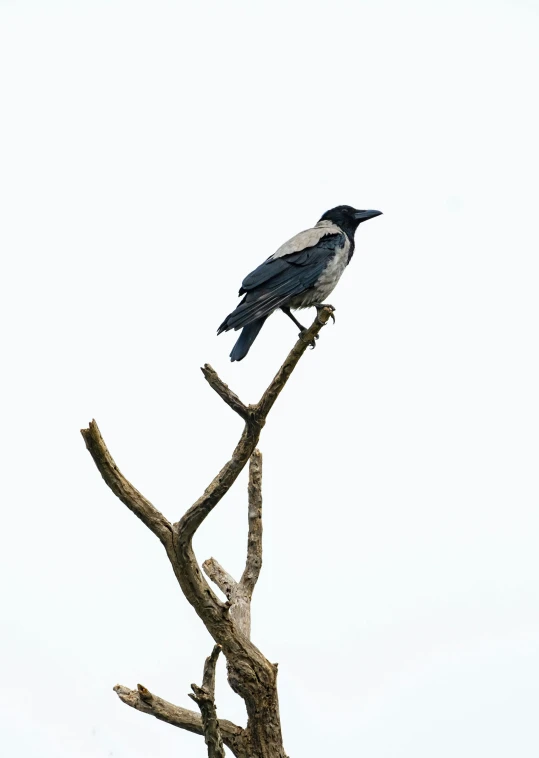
(279, 278)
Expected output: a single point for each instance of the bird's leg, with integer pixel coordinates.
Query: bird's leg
(286, 309)
(320, 306)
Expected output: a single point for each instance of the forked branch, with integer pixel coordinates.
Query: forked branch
(250, 674)
(192, 582)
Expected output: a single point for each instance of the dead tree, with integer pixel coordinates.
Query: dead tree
(250, 674)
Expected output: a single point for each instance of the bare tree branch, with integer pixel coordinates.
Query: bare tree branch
(143, 700)
(194, 586)
(220, 577)
(224, 391)
(250, 674)
(204, 697)
(239, 601)
(208, 676)
(254, 540)
(306, 339)
(240, 593)
(123, 489)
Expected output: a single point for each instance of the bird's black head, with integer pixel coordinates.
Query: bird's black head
(348, 218)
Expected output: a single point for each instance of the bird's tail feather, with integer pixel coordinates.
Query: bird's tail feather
(248, 335)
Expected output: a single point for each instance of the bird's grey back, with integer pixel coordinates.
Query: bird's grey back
(307, 238)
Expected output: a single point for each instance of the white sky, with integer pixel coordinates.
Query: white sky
(151, 155)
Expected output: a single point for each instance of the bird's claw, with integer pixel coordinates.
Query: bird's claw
(320, 307)
(312, 343)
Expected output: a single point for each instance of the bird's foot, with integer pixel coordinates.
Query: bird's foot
(312, 343)
(320, 307)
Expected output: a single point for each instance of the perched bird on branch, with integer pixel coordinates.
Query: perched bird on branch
(302, 273)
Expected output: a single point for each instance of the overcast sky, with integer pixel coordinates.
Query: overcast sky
(151, 155)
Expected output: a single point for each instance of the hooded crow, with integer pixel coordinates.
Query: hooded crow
(302, 273)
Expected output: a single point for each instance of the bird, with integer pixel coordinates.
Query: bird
(301, 273)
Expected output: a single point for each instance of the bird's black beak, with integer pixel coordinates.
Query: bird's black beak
(366, 215)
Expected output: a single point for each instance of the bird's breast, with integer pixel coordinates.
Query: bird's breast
(329, 277)
(327, 281)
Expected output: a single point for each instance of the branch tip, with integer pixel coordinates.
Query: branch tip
(219, 576)
(122, 487)
(224, 391)
(208, 677)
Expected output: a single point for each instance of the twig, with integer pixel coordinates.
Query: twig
(204, 697)
(306, 339)
(224, 391)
